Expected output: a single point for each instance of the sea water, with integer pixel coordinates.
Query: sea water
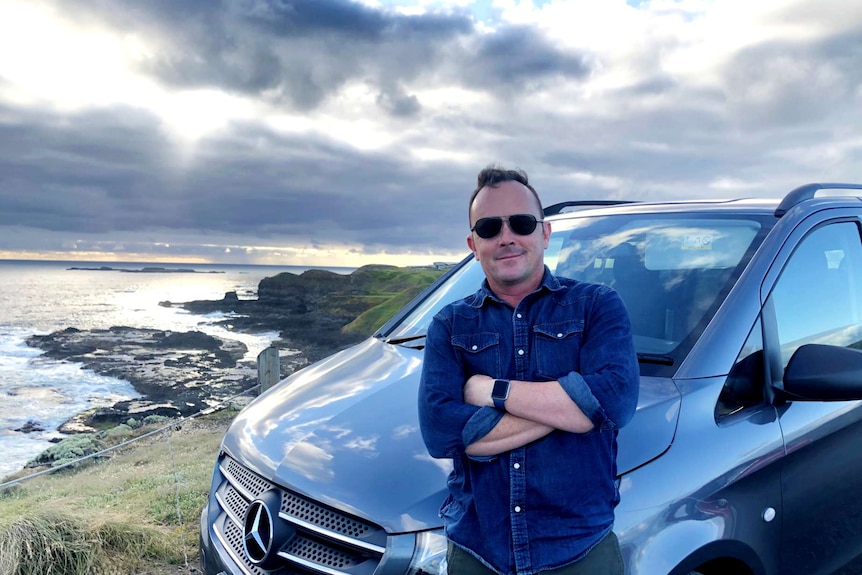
(42, 297)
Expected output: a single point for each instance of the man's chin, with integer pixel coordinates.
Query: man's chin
(510, 278)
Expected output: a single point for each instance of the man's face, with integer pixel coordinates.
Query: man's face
(511, 262)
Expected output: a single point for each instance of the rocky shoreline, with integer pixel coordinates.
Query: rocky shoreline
(181, 373)
(176, 373)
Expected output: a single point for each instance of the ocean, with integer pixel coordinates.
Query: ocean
(39, 297)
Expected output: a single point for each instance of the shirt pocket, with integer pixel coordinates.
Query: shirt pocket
(481, 352)
(557, 348)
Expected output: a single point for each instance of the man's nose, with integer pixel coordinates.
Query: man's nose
(507, 236)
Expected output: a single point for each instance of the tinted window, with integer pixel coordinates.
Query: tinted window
(744, 386)
(817, 299)
(672, 271)
(669, 271)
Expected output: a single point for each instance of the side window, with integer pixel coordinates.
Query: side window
(745, 383)
(817, 297)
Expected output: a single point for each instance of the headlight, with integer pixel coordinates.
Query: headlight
(430, 555)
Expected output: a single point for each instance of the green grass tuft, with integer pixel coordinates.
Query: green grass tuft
(47, 543)
(136, 511)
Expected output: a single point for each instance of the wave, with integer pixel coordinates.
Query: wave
(40, 297)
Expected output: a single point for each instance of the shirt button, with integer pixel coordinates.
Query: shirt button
(517, 466)
(520, 352)
(475, 347)
(519, 316)
(559, 335)
(517, 508)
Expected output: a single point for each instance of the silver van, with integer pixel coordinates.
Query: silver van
(743, 456)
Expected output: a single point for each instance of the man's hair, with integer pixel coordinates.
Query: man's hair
(492, 176)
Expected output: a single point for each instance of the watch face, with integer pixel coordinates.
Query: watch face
(501, 389)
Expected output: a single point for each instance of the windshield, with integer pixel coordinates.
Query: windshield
(671, 270)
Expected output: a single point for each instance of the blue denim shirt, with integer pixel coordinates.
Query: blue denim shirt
(546, 504)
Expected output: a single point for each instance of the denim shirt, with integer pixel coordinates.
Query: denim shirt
(544, 505)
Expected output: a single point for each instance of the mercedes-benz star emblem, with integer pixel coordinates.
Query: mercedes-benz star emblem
(264, 532)
(257, 534)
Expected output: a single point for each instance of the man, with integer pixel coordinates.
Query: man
(524, 386)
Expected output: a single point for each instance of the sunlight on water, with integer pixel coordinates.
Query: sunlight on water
(44, 393)
(42, 297)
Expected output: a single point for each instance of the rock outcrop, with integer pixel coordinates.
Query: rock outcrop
(181, 373)
(177, 373)
(310, 310)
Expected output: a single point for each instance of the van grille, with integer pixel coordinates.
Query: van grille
(324, 541)
(305, 510)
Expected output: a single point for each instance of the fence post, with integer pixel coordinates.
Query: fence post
(268, 368)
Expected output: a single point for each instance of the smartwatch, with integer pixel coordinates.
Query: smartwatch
(500, 393)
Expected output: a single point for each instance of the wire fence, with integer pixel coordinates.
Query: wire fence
(168, 429)
(172, 425)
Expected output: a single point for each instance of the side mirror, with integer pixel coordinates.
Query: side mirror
(819, 372)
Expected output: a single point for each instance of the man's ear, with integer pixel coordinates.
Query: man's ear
(472, 246)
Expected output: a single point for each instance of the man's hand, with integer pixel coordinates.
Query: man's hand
(477, 391)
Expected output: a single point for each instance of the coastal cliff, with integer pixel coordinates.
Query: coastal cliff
(319, 312)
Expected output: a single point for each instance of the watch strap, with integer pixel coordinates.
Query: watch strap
(500, 393)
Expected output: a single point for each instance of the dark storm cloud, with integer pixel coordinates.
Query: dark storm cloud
(518, 54)
(780, 83)
(777, 101)
(299, 52)
(66, 175)
(115, 172)
(318, 191)
(294, 52)
(398, 103)
(777, 114)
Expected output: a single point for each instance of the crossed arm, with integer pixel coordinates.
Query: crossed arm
(603, 391)
(533, 410)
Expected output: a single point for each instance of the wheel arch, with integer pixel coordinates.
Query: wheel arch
(720, 557)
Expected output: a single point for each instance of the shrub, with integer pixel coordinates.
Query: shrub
(155, 419)
(119, 433)
(67, 450)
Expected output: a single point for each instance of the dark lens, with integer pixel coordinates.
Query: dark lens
(488, 228)
(523, 224)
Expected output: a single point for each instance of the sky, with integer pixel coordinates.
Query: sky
(350, 132)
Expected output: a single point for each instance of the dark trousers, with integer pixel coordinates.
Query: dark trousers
(603, 559)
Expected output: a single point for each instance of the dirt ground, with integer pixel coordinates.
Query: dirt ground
(166, 569)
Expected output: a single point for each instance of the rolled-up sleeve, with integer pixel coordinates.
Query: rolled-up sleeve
(606, 388)
(448, 424)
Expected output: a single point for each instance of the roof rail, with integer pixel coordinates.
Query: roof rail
(558, 208)
(806, 192)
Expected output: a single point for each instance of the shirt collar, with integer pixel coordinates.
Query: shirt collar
(549, 282)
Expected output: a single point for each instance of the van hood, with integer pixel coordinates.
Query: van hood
(345, 432)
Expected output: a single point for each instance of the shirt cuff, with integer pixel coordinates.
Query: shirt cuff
(578, 390)
(479, 425)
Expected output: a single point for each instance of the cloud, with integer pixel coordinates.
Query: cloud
(287, 53)
(239, 128)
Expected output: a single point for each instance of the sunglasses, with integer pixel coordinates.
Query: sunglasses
(521, 224)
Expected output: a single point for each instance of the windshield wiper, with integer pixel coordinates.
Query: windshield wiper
(655, 358)
(400, 340)
(642, 357)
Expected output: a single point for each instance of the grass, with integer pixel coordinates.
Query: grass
(391, 289)
(137, 512)
(369, 321)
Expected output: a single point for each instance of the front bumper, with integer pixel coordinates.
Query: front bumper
(212, 552)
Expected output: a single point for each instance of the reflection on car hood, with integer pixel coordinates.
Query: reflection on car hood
(345, 432)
